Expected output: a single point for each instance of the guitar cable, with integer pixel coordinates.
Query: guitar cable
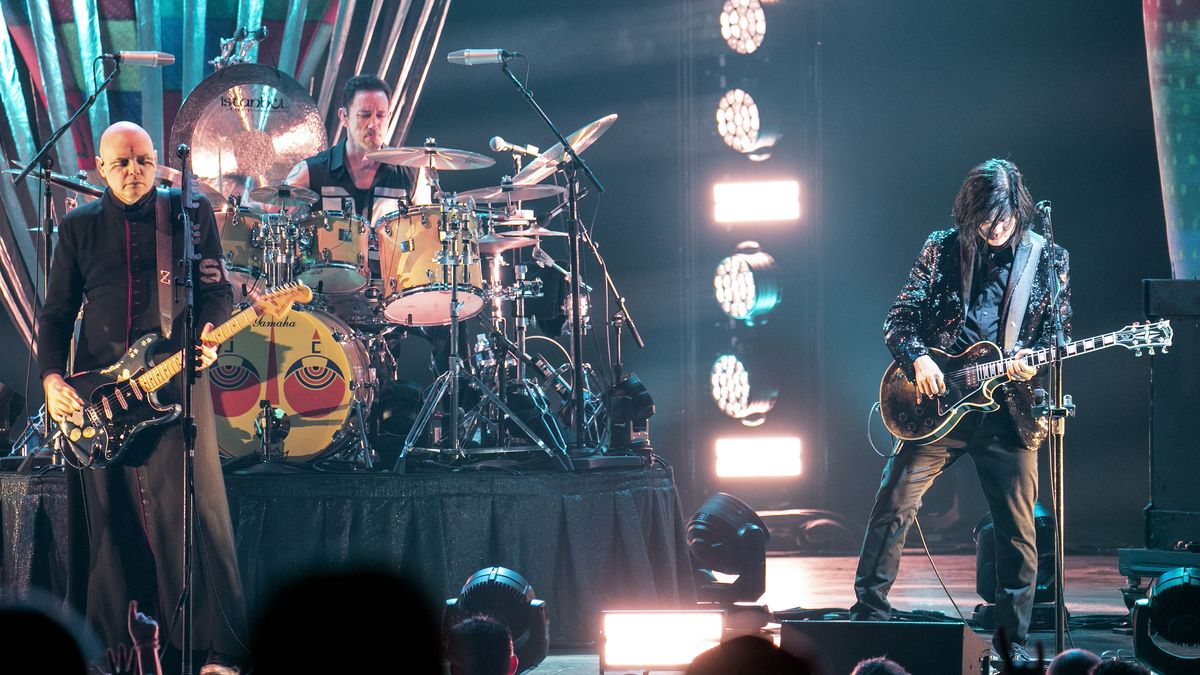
(895, 441)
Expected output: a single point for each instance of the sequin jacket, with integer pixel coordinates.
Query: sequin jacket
(929, 312)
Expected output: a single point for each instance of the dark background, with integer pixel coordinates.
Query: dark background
(883, 107)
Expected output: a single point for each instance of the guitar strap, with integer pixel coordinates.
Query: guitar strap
(1025, 267)
(164, 243)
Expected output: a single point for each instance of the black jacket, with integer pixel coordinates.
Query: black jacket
(930, 308)
(106, 262)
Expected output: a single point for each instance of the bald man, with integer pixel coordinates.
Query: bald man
(126, 524)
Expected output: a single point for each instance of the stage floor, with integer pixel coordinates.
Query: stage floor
(816, 582)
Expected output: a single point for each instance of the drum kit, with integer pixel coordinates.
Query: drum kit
(320, 386)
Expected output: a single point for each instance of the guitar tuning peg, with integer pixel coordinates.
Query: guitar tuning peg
(1137, 353)
(1164, 350)
(1152, 351)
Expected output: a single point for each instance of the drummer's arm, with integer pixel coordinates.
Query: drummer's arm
(299, 176)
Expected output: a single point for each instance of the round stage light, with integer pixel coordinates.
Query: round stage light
(506, 595)
(1166, 623)
(726, 535)
(738, 394)
(746, 283)
(743, 25)
(738, 121)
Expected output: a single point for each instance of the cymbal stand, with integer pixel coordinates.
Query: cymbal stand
(572, 167)
(454, 253)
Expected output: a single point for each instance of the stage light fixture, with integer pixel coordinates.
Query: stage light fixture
(743, 25)
(1169, 617)
(746, 284)
(630, 409)
(504, 594)
(738, 121)
(740, 395)
(756, 201)
(758, 457)
(727, 536)
(654, 640)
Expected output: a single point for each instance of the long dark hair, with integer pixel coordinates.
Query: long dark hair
(992, 192)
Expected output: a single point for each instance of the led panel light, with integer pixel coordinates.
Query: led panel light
(756, 201)
(758, 457)
(654, 640)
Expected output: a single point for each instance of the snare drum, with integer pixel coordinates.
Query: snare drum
(241, 248)
(417, 283)
(333, 251)
(305, 363)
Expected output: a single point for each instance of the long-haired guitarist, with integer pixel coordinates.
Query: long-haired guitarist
(983, 279)
(126, 523)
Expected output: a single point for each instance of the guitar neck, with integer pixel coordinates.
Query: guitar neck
(1043, 356)
(158, 376)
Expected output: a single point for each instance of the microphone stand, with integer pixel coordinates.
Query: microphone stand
(622, 317)
(573, 167)
(44, 163)
(1057, 407)
(188, 425)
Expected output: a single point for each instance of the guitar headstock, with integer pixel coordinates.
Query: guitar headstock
(278, 301)
(1145, 336)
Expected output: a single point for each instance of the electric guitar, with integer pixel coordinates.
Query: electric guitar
(121, 400)
(973, 376)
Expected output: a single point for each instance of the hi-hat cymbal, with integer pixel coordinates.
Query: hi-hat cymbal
(442, 159)
(531, 232)
(283, 195)
(491, 244)
(508, 193)
(547, 163)
(72, 183)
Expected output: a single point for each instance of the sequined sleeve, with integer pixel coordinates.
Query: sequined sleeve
(1062, 259)
(913, 305)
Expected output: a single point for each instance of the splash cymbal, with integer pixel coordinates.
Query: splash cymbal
(491, 244)
(283, 195)
(507, 193)
(548, 162)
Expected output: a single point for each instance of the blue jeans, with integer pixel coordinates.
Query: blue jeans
(1007, 472)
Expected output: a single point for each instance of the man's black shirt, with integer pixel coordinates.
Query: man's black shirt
(982, 321)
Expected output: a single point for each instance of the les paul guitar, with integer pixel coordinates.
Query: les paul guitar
(973, 376)
(121, 400)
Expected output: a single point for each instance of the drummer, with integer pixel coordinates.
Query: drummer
(343, 176)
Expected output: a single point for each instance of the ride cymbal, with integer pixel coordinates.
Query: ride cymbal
(548, 162)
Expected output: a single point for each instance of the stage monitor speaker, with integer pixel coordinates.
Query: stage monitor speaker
(1173, 514)
(919, 646)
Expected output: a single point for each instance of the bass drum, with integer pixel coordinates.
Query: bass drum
(306, 364)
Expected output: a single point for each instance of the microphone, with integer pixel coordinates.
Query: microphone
(544, 260)
(145, 59)
(1043, 207)
(500, 145)
(474, 57)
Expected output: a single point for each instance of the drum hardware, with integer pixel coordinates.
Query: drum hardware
(449, 381)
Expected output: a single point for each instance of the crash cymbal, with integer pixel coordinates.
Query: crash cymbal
(547, 163)
(247, 125)
(165, 175)
(531, 232)
(508, 193)
(72, 183)
(442, 159)
(491, 244)
(283, 195)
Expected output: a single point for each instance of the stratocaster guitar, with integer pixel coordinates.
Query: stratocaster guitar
(973, 376)
(121, 400)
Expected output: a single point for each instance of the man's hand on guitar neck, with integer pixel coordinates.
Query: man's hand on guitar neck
(1019, 369)
(929, 380)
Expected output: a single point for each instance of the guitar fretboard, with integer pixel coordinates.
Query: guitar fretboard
(985, 371)
(161, 374)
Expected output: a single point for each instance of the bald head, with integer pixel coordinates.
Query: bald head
(127, 161)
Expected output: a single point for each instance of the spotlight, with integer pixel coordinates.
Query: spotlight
(651, 640)
(630, 408)
(727, 536)
(985, 556)
(759, 457)
(1170, 613)
(756, 201)
(746, 284)
(740, 395)
(506, 595)
(738, 122)
(743, 25)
